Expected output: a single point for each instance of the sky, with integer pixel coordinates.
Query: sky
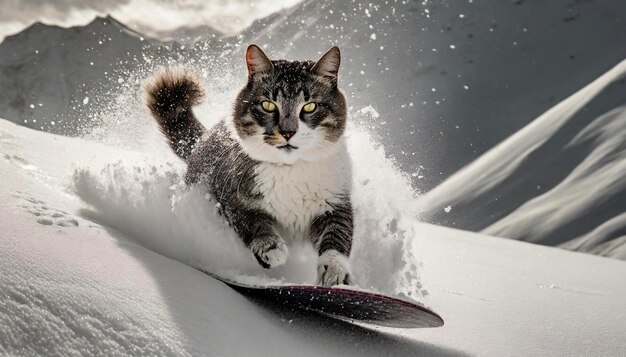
(148, 16)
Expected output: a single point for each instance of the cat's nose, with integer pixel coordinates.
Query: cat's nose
(287, 134)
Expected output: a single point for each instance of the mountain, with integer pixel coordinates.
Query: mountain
(557, 181)
(54, 78)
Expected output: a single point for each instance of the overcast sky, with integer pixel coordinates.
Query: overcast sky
(228, 16)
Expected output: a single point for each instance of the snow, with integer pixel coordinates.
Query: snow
(78, 279)
(508, 154)
(582, 210)
(501, 297)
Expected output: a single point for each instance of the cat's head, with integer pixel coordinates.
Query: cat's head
(290, 110)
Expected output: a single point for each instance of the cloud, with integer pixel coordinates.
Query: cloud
(158, 15)
(27, 10)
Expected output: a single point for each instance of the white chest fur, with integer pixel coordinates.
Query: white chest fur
(296, 194)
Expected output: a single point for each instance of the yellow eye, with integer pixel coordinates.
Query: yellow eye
(268, 106)
(309, 107)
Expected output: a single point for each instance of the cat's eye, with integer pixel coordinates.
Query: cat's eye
(268, 106)
(309, 108)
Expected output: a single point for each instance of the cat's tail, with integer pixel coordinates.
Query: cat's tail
(169, 95)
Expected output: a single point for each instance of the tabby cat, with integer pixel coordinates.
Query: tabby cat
(278, 169)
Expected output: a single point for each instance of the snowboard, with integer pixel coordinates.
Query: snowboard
(342, 303)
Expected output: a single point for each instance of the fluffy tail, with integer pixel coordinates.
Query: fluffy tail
(170, 94)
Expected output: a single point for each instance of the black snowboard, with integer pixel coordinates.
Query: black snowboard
(344, 304)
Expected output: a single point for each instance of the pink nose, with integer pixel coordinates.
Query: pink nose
(287, 134)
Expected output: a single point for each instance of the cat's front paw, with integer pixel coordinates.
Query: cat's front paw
(333, 269)
(270, 251)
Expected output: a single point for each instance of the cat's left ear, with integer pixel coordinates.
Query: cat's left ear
(257, 61)
(328, 64)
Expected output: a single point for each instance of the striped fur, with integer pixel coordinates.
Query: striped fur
(273, 189)
(170, 96)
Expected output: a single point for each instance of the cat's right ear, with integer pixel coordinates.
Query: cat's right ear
(328, 65)
(257, 61)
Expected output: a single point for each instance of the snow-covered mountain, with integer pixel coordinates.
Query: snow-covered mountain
(558, 181)
(57, 79)
(78, 280)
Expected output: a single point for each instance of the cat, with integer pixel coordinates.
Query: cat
(279, 168)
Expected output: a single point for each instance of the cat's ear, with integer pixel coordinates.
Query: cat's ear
(328, 64)
(257, 61)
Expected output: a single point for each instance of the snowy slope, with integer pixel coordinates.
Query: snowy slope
(75, 280)
(559, 180)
